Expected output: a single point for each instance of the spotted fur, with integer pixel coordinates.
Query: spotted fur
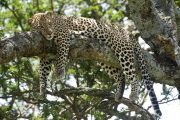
(60, 29)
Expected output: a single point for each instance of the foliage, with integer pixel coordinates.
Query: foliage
(19, 87)
(177, 3)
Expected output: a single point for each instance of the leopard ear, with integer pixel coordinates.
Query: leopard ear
(49, 13)
(30, 21)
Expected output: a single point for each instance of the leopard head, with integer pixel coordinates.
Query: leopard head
(43, 23)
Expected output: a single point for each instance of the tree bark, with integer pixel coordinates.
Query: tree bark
(29, 44)
(158, 21)
(105, 95)
(159, 24)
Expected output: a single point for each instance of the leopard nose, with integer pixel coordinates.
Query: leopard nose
(50, 30)
(50, 36)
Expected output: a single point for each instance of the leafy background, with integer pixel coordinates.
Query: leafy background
(19, 86)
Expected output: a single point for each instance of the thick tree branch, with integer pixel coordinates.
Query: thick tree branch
(29, 44)
(156, 21)
(159, 24)
(21, 45)
(178, 24)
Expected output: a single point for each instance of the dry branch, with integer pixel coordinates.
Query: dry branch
(104, 94)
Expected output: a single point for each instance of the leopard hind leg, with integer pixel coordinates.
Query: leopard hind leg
(118, 76)
(126, 60)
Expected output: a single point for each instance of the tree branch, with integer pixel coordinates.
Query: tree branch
(156, 21)
(159, 24)
(29, 44)
(105, 94)
(106, 98)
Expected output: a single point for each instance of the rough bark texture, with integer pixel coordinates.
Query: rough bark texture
(30, 44)
(110, 100)
(159, 24)
(156, 21)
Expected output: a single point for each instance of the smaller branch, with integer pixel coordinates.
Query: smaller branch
(105, 94)
(143, 99)
(17, 18)
(167, 101)
(160, 102)
(51, 5)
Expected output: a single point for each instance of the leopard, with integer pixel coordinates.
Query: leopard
(61, 28)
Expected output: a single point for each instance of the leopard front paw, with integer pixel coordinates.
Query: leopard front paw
(133, 97)
(61, 73)
(118, 96)
(42, 96)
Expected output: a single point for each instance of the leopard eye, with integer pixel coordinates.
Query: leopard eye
(38, 24)
(48, 22)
